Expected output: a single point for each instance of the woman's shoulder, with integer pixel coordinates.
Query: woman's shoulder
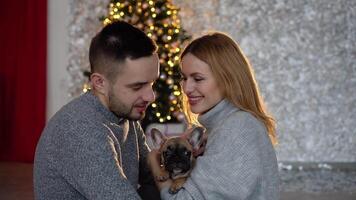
(242, 119)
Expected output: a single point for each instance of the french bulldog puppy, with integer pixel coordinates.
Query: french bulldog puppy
(177, 155)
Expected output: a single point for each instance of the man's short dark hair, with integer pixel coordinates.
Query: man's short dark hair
(116, 42)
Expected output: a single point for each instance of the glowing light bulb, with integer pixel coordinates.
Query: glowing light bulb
(177, 93)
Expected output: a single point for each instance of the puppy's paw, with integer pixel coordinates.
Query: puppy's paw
(163, 176)
(176, 186)
(174, 189)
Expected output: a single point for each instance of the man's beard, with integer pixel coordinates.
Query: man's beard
(120, 110)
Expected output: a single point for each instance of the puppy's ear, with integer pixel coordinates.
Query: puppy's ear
(195, 137)
(158, 138)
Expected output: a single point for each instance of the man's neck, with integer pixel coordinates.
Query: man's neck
(103, 100)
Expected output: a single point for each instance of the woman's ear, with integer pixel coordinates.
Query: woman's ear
(99, 83)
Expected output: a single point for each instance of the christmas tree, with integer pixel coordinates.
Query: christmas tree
(159, 20)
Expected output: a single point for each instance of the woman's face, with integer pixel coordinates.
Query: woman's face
(199, 84)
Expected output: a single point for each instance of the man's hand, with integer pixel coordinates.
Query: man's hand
(160, 175)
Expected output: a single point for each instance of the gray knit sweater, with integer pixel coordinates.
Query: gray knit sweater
(239, 162)
(86, 152)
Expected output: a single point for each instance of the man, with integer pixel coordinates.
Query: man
(94, 148)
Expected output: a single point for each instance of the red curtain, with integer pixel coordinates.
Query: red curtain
(23, 53)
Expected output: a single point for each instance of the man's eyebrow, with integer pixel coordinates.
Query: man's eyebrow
(141, 83)
(136, 84)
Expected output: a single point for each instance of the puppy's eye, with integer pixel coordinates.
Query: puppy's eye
(167, 153)
(187, 153)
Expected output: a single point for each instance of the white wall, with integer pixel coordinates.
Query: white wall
(57, 55)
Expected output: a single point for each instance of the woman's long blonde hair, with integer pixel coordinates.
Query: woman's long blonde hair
(233, 73)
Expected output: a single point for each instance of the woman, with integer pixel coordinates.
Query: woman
(239, 161)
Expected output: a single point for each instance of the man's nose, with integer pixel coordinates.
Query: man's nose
(149, 95)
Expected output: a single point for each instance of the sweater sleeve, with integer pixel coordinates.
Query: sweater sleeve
(230, 167)
(148, 188)
(90, 163)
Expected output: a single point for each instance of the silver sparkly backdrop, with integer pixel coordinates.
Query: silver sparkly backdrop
(303, 53)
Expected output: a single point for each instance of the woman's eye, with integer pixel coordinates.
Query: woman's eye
(198, 79)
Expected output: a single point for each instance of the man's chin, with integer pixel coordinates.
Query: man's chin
(137, 116)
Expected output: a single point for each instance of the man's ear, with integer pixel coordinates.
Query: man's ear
(98, 82)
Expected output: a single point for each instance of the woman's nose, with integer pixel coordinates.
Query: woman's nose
(187, 86)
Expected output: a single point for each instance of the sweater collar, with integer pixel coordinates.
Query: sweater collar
(214, 116)
(94, 101)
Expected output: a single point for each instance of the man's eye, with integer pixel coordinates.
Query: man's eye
(136, 88)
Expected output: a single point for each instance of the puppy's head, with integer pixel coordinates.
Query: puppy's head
(177, 153)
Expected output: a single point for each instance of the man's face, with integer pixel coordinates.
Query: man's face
(132, 92)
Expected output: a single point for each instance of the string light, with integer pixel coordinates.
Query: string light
(170, 63)
(86, 87)
(176, 93)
